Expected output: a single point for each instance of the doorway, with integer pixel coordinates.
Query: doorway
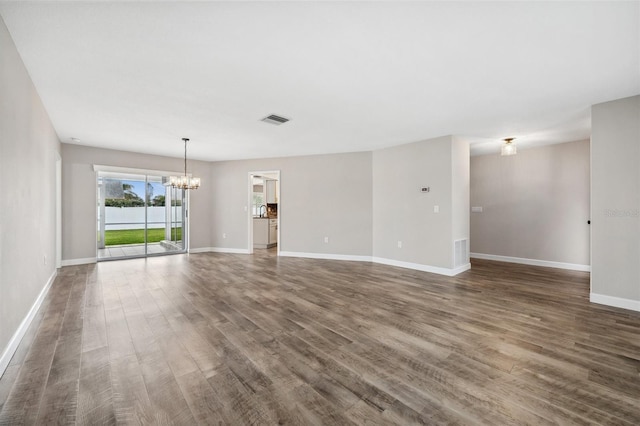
(139, 215)
(265, 212)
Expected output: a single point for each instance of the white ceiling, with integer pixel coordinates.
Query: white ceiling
(352, 76)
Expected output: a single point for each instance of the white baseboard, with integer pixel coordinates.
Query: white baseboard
(616, 302)
(200, 250)
(72, 262)
(12, 346)
(218, 250)
(381, 260)
(420, 267)
(327, 256)
(534, 262)
(460, 269)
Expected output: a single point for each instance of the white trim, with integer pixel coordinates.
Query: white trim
(200, 250)
(326, 256)
(249, 211)
(72, 262)
(116, 169)
(380, 260)
(13, 344)
(219, 250)
(460, 269)
(534, 262)
(420, 267)
(617, 302)
(58, 210)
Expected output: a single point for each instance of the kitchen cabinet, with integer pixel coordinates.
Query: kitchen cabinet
(273, 231)
(265, 232)
(271, 191)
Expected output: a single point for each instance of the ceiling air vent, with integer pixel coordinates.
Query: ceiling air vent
(275, 119)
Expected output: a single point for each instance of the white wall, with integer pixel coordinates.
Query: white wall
(29, 148)
(320, 195)
(535, 204)
(615, 203)
(402, 213)
(79, 196)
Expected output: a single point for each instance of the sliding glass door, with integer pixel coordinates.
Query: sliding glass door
(139, 215)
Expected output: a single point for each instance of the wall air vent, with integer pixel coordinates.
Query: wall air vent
(460, 253)
(275, 119)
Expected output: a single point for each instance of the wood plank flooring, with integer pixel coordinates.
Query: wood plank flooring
(236, 339)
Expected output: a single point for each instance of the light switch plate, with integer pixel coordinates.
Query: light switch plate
(477, 209)
(436, 209)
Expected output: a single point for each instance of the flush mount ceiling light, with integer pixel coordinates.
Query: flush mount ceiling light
(185, 181)
(509, 148)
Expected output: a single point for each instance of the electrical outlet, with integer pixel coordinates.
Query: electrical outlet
(224, 235)
(399, 244)
(326, 240)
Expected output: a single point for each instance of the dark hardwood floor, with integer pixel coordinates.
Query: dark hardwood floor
(237, 339)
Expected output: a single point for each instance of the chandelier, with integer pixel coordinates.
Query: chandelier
(185, 181)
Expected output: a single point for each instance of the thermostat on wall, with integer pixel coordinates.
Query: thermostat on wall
(425, 189)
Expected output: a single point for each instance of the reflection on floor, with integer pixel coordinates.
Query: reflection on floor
(131, 250)
(271, 251)
(219, 338)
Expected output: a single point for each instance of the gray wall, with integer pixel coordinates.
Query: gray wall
(401, 212)
(321, 195)
(535, 204)
(29, 148)
(79, 195)
(615, 202)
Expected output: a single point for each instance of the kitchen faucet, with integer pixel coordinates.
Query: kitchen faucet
(265, 210)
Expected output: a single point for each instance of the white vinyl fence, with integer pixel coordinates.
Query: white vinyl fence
(133, 217)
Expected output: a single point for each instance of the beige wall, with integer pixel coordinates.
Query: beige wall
(460, 190)
(321, 195)
(79, 195)
(29, 149)
(615, 203)
(535, 204)
(401, 212)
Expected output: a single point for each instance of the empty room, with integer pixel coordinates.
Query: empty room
(315, 212)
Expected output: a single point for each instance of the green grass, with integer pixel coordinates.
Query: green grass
(136, 236)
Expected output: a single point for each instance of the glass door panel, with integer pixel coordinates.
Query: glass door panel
(176, 217)
(138, 216)
(164, 217)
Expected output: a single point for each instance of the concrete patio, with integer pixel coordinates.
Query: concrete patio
(133, 250)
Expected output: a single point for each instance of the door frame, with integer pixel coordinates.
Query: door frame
(59, 211)
(250, 206)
